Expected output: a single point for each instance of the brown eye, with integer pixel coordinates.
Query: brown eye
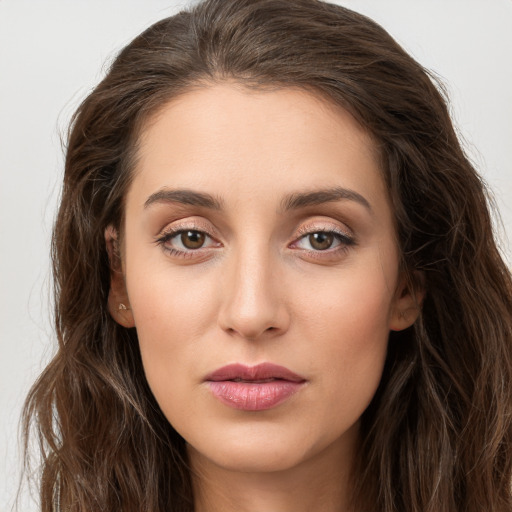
(321, 241)
(192, 239)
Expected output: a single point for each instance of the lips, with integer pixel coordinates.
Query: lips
(254, 388)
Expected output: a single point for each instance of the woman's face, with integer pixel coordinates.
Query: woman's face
(261, 269)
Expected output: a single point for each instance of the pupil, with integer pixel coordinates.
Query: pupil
(321, 241)
(192, 239)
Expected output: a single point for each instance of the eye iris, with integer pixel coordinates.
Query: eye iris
(192, 239)
(321, 241)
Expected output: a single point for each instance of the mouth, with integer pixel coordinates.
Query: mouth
(254, 388)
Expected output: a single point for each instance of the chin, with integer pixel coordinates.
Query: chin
(247, 457)
(257, 449)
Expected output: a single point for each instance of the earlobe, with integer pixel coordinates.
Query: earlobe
(118, 302)
(407, 305)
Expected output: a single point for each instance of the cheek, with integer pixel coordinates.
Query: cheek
(352, 307)
(167, 302)
(171, 316)
(349, 323)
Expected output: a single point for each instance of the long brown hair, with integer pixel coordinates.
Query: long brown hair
(437, 436)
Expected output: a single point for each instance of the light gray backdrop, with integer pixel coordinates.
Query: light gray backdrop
(51, 54)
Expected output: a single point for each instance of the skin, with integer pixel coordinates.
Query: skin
(261, 288)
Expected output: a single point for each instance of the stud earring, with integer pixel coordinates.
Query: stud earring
(122, 307)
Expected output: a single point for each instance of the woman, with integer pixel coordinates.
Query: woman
(277, 285)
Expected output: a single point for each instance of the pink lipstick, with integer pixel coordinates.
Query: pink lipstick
(254, 388)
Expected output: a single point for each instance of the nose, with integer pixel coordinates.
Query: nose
(253, 304)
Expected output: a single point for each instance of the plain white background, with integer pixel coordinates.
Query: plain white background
(53, 52)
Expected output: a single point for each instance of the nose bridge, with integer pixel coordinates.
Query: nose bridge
(252, 303)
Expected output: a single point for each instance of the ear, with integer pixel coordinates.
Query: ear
(118, 303)
(407, 302)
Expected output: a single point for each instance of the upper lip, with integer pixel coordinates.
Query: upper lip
(259, 372)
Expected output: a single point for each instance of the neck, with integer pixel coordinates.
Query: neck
(320, 483)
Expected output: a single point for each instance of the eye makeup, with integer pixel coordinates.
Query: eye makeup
(338, 242)
(187, 232)
(190, 240)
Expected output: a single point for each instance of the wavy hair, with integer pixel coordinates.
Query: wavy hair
(437, 436)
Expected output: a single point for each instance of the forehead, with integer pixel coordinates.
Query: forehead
(226, 138)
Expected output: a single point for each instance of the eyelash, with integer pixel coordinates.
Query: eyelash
(164, 237)
(345, 241)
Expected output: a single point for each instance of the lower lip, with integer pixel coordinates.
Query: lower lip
(254, 396)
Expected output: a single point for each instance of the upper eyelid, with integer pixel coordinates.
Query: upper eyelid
(343, 237)
(166, 235)
(304, 229)
(170, 233)
(313, 229)
(326, 226)
(345, 242)
(178, 226)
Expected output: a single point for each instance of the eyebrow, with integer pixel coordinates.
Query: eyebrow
(302, 199)
(184, 196)
(292, 201)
